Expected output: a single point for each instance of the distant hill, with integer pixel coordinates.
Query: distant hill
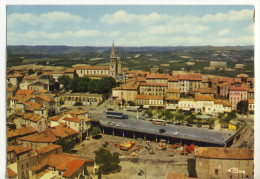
(55, 50)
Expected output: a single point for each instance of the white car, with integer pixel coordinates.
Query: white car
(176, 133)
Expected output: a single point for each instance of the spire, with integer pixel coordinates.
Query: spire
(113, 52)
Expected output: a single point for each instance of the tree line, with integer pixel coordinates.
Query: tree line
(99, 86)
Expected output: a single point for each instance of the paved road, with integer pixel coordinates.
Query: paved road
(189, 133)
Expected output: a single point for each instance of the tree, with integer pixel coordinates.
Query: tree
(106, 161)
(67, 145)
(131, 103)
(190, 118)
(30, 72)
(211, 123)
(148, 113)
(179, 117)
(242, 107)
(167, 115)
(232, 115)
(64, 80)
(95, 131)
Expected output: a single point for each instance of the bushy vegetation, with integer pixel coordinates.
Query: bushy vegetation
(67, 145)
(100, 86)
(95, 131)
(106, 161)
(225, 119)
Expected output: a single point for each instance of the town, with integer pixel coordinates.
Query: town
(88, 121)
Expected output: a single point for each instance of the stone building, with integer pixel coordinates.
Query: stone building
(84, 98)
(125, 92)
(150, 101)
(155, 89)
(237, 94)
(224, 163)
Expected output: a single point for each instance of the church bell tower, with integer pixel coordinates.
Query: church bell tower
(113, 63)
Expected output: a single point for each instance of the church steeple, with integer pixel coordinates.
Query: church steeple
(113, 51)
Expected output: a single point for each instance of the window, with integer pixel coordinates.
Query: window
(216, 171)
(59, 172)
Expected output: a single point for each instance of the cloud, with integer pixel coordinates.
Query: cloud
(41, 36)
(223, 32)
(232, 15)
(45, 20)
(249, 28)
(122, 17)
(178, 28)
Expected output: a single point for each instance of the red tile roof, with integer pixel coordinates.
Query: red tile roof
(63, 132)
(42, 137)
(206, 91)
(235, 88)
(10, 173)
(156, 76)
(237, 80)
(73, 166)
(173, 78)
(251, 90)
(224, 153)
(71, 119)
(175, 98)
(148, 97)
(32, 117)
(48, 148)
(30, 77)
(140, 78)
(33, 104)
(128, 86)
(24, 92)
(153, 84)
(195, 77)
(173, 90)
(226, 104)
(204, 98)
(20, 132)
(56, 118)
(214, 80)
(44, 98)
(224, 84)
(183, 77)
(64, 162)
(251, 101)
(17, 149)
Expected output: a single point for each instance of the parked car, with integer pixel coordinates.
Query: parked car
(162, 130)
(110, 109)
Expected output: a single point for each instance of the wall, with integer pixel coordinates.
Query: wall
(218, 168)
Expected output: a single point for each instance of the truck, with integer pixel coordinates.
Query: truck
(116, 115)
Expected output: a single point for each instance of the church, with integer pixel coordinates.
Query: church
(97, 72)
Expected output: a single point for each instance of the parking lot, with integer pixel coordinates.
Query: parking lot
(155, 165)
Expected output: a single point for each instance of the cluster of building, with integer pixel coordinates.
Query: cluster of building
(191, 92)
(45, 162)
(36, 123)
(35, 110)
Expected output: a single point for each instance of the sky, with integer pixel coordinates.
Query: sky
(135, 25)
